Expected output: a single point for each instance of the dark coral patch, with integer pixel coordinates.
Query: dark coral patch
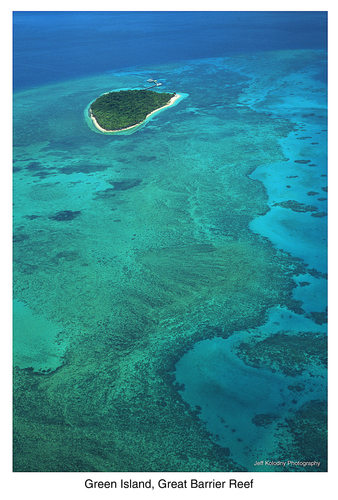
(308, 428)
(65, 215)
(32, 217)
(146, 158)
(117, 186)
(312, 193)
(296, 387)
(295, 206)
(125, 184)
(106, 194)
(67, 255)
(18, 237)
(264, 419)
(82, 168)
(319, 214)
(43, 174)
(319, 317)
(35, 165)
(317, 274)
(39, 170)
(288, 353)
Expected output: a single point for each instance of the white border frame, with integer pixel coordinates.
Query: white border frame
(42, 486)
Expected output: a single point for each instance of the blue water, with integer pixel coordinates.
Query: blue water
(55, 46)
(193, 242)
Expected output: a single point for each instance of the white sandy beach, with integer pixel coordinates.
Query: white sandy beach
(170, 103)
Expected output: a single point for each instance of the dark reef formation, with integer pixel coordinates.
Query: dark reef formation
(65, 215)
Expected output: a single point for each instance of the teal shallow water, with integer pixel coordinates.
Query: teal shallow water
(137, 246)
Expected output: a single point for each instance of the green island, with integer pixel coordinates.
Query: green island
(115, 111)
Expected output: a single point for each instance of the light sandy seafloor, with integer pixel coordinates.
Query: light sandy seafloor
(170, 103)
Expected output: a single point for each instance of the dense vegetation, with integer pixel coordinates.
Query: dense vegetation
(118, 110)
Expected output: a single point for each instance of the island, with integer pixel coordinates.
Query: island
(117, 111)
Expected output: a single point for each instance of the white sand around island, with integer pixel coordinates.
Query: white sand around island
(170, 103)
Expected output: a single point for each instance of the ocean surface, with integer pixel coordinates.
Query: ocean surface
(170, 285)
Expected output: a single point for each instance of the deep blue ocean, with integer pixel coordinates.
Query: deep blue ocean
(170, 281)
(55, 46)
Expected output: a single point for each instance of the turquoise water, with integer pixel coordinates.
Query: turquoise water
(143, 262)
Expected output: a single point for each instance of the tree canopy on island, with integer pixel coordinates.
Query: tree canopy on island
(118, 110)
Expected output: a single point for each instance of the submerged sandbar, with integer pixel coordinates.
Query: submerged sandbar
(122, 110)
